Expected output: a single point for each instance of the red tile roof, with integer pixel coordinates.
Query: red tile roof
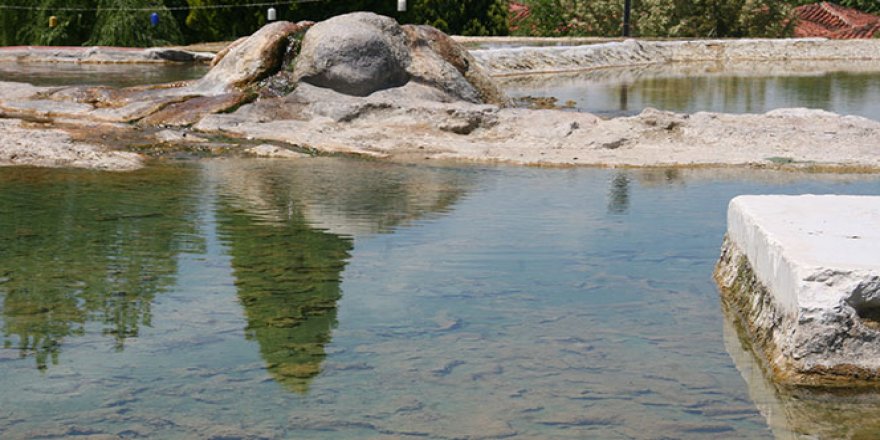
(518, 13)
(833, 21)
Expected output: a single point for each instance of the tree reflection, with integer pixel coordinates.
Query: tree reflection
(290, 227)
(288, 278)
(79, 248)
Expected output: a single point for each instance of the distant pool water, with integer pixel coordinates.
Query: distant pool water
(849, 88)
(333, 298)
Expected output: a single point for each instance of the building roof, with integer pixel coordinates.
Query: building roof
(829, 20)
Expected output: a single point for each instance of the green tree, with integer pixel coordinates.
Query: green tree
(11, 20)
(462, 17)
(871, 6)
(660, 18)
(324, 9)
(117, 27)
(223, 24)
(72, 26)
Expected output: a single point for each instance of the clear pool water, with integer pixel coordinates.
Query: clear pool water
(330, 298)
(847, 88)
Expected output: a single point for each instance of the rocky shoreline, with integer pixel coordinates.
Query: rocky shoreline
(411, 93)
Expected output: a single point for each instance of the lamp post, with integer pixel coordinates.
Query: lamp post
(627, 11)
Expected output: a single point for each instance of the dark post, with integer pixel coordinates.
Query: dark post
(627, 11)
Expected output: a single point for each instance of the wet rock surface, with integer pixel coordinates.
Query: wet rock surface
(249, 60)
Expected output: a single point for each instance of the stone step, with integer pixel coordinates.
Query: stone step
(803, 274)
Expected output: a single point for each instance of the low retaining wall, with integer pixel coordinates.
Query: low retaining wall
(101, 54)
(803, 274)
(530, 60)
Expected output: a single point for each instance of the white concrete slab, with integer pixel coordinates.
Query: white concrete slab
(799, 246)
(817, 259)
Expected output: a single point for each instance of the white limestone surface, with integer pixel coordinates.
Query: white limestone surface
(803, 247)
(818, 258)
(554, 59)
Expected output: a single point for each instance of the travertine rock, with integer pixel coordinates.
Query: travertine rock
(250, 60)
(440, 62)
(530, 60)
(100, 54)
(804, 273)
(22, 145)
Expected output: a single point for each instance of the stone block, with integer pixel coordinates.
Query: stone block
(803, 275)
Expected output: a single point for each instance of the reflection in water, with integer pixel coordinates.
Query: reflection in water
(288, 278)
(86, 253)
(287, 274)
(693, 87)
(794, 412)
(284, 226)
(86, 248)
(618, 195)
(528, 312)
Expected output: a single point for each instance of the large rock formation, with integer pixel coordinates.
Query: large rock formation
(362, 53)
(363, 84)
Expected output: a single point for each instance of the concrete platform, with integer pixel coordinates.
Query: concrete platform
(803, 275)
